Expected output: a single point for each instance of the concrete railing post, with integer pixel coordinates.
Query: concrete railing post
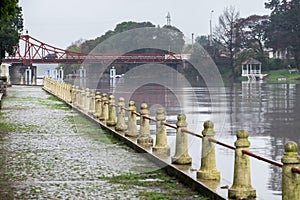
(161, 147)
(87, 100)
(8, 80)
(82, 98)
(97, 105)
(144, 136)
(132, 127)
(104, 107)
(73, 95)
(92, 103)
(33, 80)
(181, 150)
(290, 180)
(111, 112)
(121, 125)
(77, 96)
(22, 80)
(208, 169)
(241, 187)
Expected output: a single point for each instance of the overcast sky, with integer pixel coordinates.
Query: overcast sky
(61, 22)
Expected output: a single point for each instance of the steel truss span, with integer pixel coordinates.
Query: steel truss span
(35, 51)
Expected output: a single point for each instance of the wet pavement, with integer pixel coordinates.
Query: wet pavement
(49, 151)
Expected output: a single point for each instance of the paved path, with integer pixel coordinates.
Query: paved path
(48, 151)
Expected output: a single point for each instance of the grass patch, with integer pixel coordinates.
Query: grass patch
(282, 75)
(154, 196)
(164, 186)
(50, 104)
(7, 127)
(82, 125)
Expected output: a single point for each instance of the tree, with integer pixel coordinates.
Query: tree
(252, 35)
(227, 33)
(170, 36)
(283, 30)
(11, 26)
(71, 68)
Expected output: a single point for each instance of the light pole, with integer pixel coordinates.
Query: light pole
(210, 28)
(192, 41)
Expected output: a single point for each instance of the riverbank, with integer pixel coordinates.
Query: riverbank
(49, 151)
(283, 75)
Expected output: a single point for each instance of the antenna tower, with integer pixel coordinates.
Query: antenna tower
(168, 19)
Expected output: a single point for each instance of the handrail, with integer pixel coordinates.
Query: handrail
(249, 153)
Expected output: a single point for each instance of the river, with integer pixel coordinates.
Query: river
(269, 112)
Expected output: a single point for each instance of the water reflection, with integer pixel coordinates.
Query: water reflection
(270, 112)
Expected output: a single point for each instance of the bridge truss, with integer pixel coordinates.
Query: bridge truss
(35, 51)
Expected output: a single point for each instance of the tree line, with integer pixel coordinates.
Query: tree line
(235, 39)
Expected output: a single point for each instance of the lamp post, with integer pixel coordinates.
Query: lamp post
(210, 28)
(192, 41)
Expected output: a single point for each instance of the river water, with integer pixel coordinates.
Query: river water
(269, 112)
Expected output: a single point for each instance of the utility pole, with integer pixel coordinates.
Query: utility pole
(210, 28)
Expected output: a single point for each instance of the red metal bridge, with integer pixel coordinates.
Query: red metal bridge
(35, 51)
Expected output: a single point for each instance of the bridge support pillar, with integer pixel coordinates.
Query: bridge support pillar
(208, 169)
(161, 147)
(181, 151)
(241, 187)
(121, 125)
(144, 139)
(16, 71)
(132, 127)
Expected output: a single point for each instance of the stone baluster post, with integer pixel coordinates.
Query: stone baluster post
(77, 95)
(73, 95)
(111, 112)
(87, 100)
(208, 169)
(8, 80)
(92, 102)
(33, 80)
(82, 99)
(132, 127)
(241, 187)
(22, 80)
(70, 93)
(181, 150)
(161, 147)
(98, 112)
(290, 180)
(121, 125)
(144, 138)
(104, 106)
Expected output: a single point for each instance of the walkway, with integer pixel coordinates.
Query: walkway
(48, 151)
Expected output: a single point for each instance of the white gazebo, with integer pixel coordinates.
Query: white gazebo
(251, 68)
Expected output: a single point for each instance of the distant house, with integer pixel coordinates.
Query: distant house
(251, 68)
(280, 53)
